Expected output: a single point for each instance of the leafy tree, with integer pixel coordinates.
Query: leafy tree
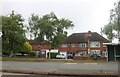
(108, 31)
(50, 26)
(114, 23)
(0, 24)
(26, 48)
(13, 34)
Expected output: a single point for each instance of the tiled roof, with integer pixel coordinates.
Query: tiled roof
(37, 43)
(33, 42)
(83, 37)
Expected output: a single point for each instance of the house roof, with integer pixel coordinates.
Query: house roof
(33, 42)
(84, 37)
(37, 43)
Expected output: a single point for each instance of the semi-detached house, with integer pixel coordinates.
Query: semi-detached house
(84, 45)
(80, 45)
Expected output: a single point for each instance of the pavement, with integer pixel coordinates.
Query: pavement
(62, 72)
(59, 71)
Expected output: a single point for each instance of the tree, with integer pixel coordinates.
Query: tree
(0, 24)
(114, 23)
(108, 31)
(26, 48)
(13, 34)
(49, 26)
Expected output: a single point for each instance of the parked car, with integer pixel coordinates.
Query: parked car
(60, 56)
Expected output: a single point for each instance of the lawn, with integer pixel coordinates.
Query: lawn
(16, 59)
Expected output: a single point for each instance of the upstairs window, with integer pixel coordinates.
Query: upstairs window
(82, 45)
(72, 45)
(95, 44)
(63, 45)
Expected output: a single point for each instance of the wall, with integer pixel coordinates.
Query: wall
(77, 48)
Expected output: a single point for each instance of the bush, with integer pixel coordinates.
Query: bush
(52, 55)
(32, 54)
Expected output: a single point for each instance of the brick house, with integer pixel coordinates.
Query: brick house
(84, 45)
(37, 47)
(42, 48)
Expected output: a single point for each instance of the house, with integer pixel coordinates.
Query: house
(43, 49)
(35, 45)
(84, 45)
(80, 45)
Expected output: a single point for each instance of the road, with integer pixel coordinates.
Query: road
(53, 65)
(60, 67)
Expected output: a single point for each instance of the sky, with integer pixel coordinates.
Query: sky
(87, 15)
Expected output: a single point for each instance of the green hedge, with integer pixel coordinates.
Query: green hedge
(52, 55)
(32, 54)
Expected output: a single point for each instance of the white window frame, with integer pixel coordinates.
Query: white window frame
(64, 45)
(104, 54)
(94, 44)
(95, 52)
(82, 45)
(72, 45)
(104, 45)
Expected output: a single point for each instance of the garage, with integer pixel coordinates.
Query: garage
(113, 52)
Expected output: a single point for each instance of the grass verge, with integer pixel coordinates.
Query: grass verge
(49, 60)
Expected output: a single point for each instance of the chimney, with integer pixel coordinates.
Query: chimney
(89, 33)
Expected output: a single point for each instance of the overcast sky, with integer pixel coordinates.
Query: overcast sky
(85, 14)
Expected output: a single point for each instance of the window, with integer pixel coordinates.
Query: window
(72, 45)
(81, 53)
(95, 44)
(82, 45)
(104, 53)
(64, 45)
(95, 52)
(104, 45)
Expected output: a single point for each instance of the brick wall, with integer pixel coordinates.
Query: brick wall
(77, 48)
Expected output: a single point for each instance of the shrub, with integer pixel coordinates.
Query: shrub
(53, 55)
(32, 54)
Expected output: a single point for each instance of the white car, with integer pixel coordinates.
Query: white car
(60, 56)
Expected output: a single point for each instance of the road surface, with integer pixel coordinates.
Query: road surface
(61, 67)
(53, 65)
